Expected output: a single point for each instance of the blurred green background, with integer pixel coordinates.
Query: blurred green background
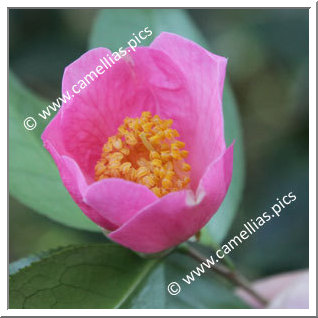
(267, 53)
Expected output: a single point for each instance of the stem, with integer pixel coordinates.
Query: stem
(207, 240)
(233, 276)
(226, 259)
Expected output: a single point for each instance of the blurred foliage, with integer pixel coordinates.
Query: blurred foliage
(267, 53)
(31, 233)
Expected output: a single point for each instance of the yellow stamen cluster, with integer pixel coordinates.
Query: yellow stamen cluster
(145, 150)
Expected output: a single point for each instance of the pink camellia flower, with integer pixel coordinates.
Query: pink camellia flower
(142, 149)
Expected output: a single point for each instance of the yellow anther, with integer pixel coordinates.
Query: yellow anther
(130, 139)
(156, 172)
(156, 119)
(186, 167)
(115, 174)
(145, 150)
(148, 181)
(135, 125)
(166, 183)
(154, 155)
(141, 172)
(132, 174)
(186, 180)
(156, 163)
(155, 139)
(127, 121)
(162, 173)
(167, 123)
(165, 155)
(175, 154)
(165, 191)
(142, 162)
(114, 165)
(125, 167)
(179, 144)
(108, 147)
(156, 191)
(117, 156)
(184, 153)
(170, 174)
(165, 147)
(146, 142)
(99, 169)
(169, 133)
(146, 115)
(169, 166)
(122, 131)
(147, 127)
(125, 151)
(176, 133)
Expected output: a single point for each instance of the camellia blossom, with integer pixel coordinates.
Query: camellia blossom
(142, 149)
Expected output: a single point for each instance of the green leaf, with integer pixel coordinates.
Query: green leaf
(33, 177)
(124, 22)
(110, 276)
(91, 276)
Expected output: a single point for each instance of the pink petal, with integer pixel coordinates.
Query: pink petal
(76, 185)
(201, 123)
(118, 200)
(286, 290)
(295, 296)
(143, 80)
(178, 216)
(53, 135)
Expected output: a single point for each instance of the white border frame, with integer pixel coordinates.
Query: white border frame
(312, 165)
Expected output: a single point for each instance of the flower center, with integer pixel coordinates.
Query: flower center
(145, 150)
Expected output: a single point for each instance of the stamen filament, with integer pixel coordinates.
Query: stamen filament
(146, 142)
